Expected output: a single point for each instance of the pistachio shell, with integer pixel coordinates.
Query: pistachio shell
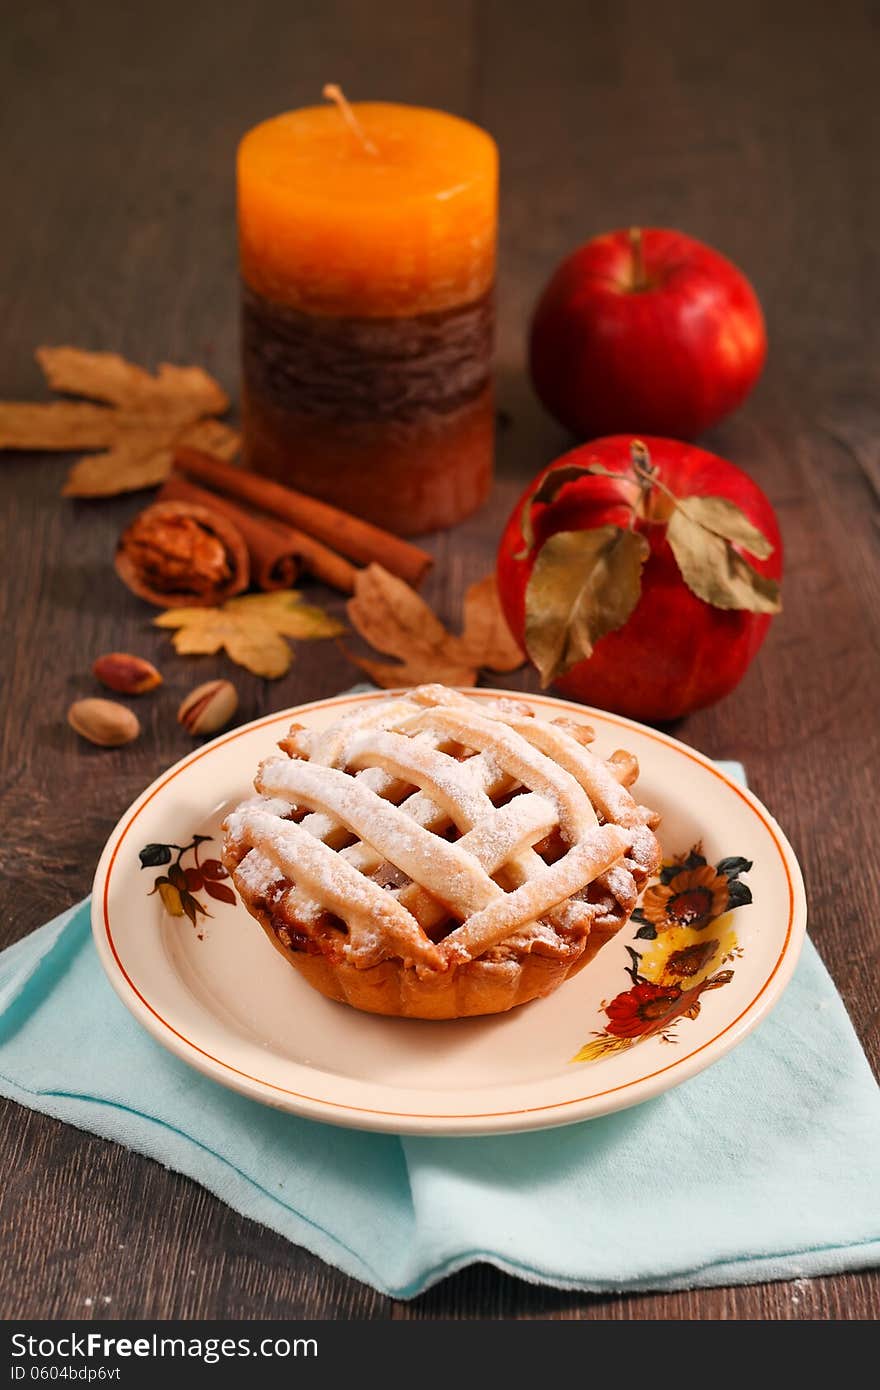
(208, 708)
(103, 722)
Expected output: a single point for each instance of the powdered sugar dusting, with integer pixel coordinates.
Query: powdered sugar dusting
(382, 775)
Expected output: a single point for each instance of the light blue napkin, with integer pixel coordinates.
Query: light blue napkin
(766, 1166)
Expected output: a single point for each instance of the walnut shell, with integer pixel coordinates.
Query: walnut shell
(182, 555)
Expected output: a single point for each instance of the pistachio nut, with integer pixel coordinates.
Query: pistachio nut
(208, 708)
(103, 722)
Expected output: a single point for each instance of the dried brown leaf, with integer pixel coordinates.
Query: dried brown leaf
(285, 612)
(139, 460)
(143, 457)
(486, 639)
(61, 425)
(146, 417)
(212, 436)
(390, 675)
(392, 617)
(584, 585)
(717, 573)
(250, 629)
(185, 392)
(724, 518)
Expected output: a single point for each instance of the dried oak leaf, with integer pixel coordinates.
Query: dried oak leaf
(142, 421)
(251, 629)
(392, 617)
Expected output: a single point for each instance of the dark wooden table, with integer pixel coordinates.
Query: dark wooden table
(752, 126)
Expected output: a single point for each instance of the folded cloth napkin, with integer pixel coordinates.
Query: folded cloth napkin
(765, 1166)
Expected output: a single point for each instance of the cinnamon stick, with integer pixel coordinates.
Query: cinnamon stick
(357, 539)
(274, 563)
(277, 552)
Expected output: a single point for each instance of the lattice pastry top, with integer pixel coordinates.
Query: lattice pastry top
(434, 830)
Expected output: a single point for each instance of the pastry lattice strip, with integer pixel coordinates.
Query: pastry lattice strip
(447, 878)
(258, 868)
(431, 808)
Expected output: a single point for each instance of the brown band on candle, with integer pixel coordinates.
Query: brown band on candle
(407, 476)
(367, 369)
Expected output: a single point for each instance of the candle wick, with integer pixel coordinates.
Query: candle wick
(335, 93)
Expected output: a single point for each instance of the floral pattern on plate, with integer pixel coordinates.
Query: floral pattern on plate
(178, 886)
(687, 917)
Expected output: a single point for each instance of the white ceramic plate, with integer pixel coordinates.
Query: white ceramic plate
(667, 997)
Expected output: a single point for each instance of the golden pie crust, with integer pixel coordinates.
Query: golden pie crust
(432, 856)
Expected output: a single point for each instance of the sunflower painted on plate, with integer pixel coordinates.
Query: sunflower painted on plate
(694, 898)
(681, 962)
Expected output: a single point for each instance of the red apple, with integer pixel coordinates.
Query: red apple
(641, 575)
(650, 331)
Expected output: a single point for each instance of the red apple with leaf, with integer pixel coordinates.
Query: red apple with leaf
(650, 331)
(641, 575)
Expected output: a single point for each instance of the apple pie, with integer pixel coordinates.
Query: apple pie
(432, 855)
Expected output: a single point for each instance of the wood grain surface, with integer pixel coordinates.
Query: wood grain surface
(753, 126)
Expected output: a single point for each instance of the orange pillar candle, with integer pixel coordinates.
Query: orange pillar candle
(367, 246)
